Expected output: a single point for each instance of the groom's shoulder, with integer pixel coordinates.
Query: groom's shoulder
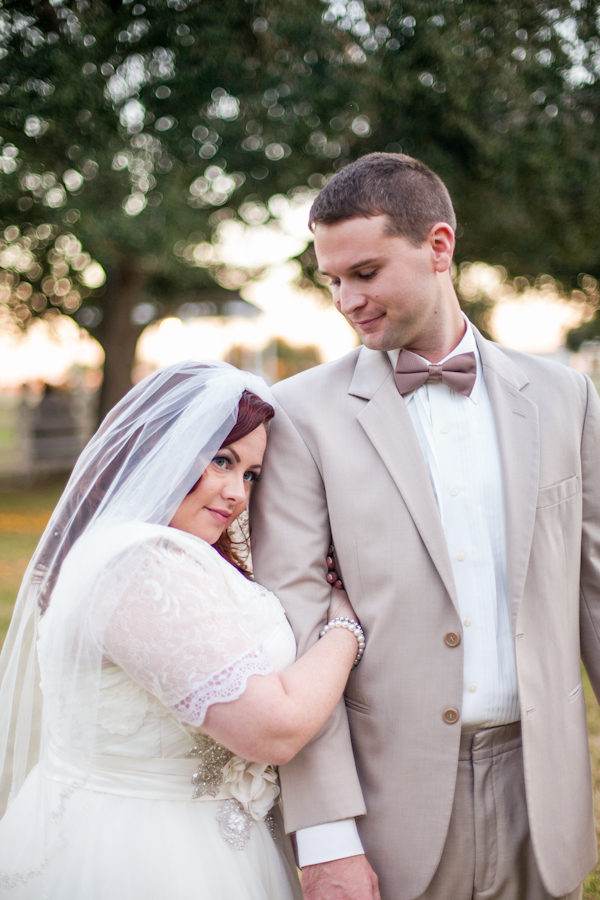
(545, 376)
(333, 377)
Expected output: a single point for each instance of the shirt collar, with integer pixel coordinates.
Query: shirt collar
(467, 344)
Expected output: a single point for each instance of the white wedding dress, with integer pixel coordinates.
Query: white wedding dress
(151, 809)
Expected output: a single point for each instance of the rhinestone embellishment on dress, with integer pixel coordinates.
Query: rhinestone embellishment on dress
(212, 758)
(270, 823)
(234, 823)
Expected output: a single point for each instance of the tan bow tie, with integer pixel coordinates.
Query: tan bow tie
(458, 373)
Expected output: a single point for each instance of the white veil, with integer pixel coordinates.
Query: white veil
(145, 458)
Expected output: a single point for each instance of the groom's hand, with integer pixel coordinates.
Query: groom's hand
(341, 879)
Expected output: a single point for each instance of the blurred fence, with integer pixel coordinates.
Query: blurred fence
(43, 432)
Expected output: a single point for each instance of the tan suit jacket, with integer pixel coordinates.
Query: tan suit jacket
(344, 461)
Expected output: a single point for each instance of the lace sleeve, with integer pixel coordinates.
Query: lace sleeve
(177, 631)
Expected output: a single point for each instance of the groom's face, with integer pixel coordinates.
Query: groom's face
(386, 287)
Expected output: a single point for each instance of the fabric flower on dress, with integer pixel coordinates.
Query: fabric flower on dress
(252, 784)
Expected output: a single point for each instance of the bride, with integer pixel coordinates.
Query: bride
(145, 765)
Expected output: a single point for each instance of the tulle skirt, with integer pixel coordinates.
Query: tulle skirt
(82, 844)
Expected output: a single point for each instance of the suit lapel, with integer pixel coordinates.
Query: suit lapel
(517, 427)
(388, 426)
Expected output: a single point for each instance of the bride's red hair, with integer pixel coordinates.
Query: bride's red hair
(252, 413)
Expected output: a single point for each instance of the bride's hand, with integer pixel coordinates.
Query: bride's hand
(339, 604)
(332, 576)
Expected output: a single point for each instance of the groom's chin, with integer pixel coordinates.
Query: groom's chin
(377, 342)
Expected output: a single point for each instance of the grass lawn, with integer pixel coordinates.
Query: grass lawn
(23, 516)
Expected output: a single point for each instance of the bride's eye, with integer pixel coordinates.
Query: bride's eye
(250, 477)
(221, 462)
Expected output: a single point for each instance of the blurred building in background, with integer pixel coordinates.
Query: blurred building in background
(276, 361)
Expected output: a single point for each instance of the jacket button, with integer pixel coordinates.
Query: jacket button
(450, 716)
(452, 639)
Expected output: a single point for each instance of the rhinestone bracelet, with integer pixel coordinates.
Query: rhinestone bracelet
(354, 627)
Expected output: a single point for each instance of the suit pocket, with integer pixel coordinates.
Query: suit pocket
(556, 493)
(574, 694)
(356, 706)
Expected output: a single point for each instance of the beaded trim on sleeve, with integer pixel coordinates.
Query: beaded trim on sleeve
(227, 685)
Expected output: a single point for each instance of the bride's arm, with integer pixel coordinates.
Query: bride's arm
(278, 714)
(176, 630)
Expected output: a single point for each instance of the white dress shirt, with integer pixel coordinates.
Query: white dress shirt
(457, 435)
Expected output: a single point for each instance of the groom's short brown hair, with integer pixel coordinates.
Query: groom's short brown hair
(392, 184)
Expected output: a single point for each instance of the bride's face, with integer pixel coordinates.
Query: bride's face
(222, 493)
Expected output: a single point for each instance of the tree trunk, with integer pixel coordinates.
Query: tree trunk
(117, 334)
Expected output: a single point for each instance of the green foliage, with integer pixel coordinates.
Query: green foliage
(138, 127)
(589, 331)
(500, 112)
(130, 127)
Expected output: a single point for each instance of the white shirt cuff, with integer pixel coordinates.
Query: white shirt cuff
(322, 843)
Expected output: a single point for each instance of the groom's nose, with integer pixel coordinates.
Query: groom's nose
(350, 297)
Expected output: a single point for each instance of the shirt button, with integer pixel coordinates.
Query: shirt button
(444, 429)
(460, 556)
(472, 688)
(450, 716)
(454, 492)
(452, 639)
(468, 622)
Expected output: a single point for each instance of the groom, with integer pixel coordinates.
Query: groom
(458, 481)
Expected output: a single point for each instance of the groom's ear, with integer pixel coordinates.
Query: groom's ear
(441, 240)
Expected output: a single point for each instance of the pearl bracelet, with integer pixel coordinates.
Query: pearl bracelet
(354, 627)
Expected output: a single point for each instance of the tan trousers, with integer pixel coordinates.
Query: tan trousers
(488, 853)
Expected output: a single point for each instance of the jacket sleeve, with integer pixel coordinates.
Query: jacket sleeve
(590, 546)
(290, 539)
